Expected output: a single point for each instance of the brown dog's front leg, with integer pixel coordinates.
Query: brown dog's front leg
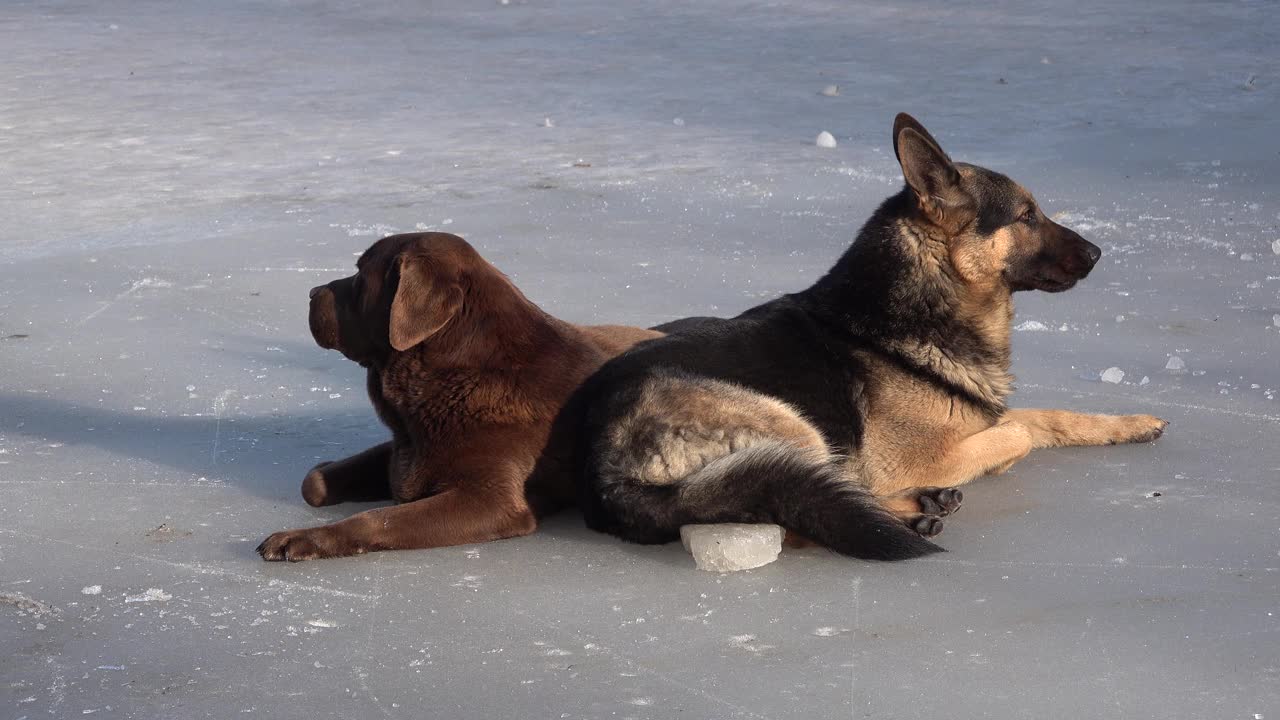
(1062, 428)
(359, 478)
(453, 517)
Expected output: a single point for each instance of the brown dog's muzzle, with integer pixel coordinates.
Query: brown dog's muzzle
(324, 318)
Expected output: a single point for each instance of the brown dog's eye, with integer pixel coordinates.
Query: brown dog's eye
(1028, 216)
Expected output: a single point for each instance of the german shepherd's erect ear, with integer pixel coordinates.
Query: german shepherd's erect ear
(930, 173)
(422, 305)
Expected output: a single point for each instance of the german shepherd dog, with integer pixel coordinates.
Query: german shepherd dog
(849, 412)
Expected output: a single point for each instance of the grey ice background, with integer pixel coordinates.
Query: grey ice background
(175, 175)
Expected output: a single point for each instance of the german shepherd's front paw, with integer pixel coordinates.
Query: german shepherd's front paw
(1137, 429)
(306, 544)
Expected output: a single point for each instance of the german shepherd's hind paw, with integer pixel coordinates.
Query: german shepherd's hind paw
(934, 501)
(926, 525)
(939, 501)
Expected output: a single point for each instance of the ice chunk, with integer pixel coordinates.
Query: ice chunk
(151, 595)
(732, 546)
(1112, 375)
(1246, 257)
(831, 90)
(1275, 247)
(1275, 319)
(678, 122)
(826, 140)
(1032, 326)
(91, 590)
(1144, 380)
(547, 122)
(1175, 364)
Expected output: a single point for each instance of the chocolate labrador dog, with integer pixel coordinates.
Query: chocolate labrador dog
(468, 374)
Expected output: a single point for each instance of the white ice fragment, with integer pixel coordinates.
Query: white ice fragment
(1119, 318)
(1275, 319)
(151, 595)
(546, 122)
(831, 90)
(1144, 380)
(91, 590)
(1032, 326)
(1246, 257)
(678, 122)
(826, 140)
(1112, 375)
(732, 546)
(1275, 247)
(1175, 364)
(322, 623)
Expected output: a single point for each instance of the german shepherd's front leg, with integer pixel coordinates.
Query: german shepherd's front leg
(1062, 428)
(995, 448)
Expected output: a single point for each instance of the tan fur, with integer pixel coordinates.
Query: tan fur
(1062, 428)
(679, 426)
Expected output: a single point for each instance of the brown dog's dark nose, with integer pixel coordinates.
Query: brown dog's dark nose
(1093, 252)
(315, 290)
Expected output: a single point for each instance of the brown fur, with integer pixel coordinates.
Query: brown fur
(468, 374)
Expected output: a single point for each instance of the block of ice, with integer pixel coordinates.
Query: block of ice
(1112, 375)
(826, 140)
(1175, 364)
(732, 546)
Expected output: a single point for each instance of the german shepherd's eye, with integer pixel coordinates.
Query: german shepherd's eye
(1028, 216)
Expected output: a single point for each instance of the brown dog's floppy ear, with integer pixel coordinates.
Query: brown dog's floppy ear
(422, 304)
(928, 170)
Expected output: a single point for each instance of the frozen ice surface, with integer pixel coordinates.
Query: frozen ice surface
(1113, 375)
(825, 140)
(174, 185)
(727, 547)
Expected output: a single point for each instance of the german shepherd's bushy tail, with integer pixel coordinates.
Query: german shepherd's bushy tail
(774, 483)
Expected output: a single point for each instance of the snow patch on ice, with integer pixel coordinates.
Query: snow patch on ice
(1032, 326)
(151, 595)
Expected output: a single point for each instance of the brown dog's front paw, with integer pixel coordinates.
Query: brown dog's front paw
(298, 545)
(1139, 428)
(314, 489)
